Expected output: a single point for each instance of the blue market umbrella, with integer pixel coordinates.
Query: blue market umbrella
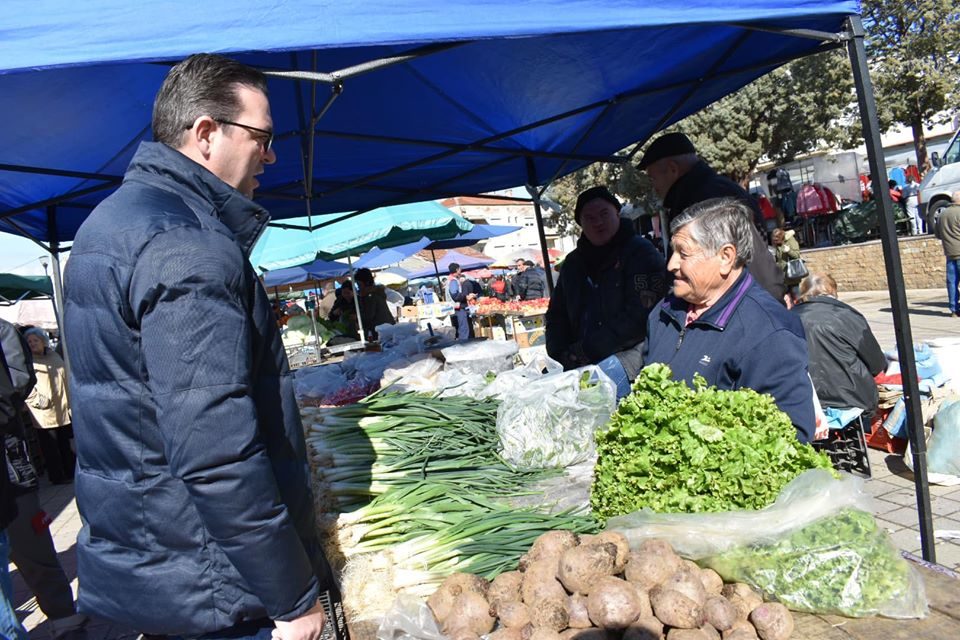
(316, 270)
(377, 258)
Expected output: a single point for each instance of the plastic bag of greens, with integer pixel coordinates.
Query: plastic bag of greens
(549, 422)
(816, 549)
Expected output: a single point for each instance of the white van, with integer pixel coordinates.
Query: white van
(941, 181)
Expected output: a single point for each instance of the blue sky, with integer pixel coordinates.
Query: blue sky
(19, 255)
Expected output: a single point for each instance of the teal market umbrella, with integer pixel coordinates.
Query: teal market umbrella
(301, 240)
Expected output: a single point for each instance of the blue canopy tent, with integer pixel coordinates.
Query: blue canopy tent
(378, 258)
(380, 103)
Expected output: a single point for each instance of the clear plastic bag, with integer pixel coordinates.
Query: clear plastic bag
(480, 357)
(507, 382)
(550, 421)
(317, 382)
(943, 455)
(409, 619)
(816, 549)
(418, 373)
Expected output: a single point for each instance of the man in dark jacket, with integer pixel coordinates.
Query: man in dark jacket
(193, 482)
(530, 282)
(607, 286)
(844, 354)
(373, 304)
(682, 179)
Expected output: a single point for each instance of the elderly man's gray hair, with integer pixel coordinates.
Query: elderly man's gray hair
(716, 222)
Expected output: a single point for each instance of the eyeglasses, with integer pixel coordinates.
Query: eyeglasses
(267, 144)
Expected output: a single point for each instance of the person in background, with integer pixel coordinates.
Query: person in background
(530, 283)
(947, 228)
(193, 481)
(607, 287)
(50, 407)
(344, 309)
(896, 194)
(718, 322)
(10, 402)
(326, 301)
(785, 249)
(461, 300)
(373, 304)
(844, 354)
(911, 201)
(682, 179)
(501, 289)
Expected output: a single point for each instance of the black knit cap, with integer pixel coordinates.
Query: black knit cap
(594, 193)
(666, 146)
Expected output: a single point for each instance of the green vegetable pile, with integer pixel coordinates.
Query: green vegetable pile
(671, 448)
(842, 564)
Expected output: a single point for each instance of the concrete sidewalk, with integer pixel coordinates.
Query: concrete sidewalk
(891, 484)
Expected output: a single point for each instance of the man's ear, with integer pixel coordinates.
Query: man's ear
(201, 136)
(728, 259)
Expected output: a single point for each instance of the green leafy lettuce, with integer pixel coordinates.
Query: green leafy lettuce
(671, 448)
(843, 564)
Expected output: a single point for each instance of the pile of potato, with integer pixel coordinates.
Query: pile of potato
(571, 587)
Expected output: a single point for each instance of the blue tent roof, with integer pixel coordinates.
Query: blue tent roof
(316, 270)
(438, 97)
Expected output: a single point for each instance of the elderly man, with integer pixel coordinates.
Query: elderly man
(720, 323)
(193, 482)
(947, 228)
(844, 354)
(682, 179)
(607, 286)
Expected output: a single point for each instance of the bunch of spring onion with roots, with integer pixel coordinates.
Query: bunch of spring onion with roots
(410, 488)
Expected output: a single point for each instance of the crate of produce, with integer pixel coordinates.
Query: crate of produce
(847, 449)
(531, 338)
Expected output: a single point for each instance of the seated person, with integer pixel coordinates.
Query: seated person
(607, 286)
(344, 309)
(373, 304)
(844, 354)
(720, 323)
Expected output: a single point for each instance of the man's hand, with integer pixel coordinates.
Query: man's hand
(307, 627)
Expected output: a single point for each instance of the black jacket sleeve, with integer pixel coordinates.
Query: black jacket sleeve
(559, 333)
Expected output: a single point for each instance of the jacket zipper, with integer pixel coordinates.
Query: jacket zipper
(680, 338)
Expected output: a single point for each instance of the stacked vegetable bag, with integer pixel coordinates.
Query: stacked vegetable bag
(721, 475)
(414, 489)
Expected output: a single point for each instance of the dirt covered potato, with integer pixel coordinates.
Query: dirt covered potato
(614, 603)
(581, 567)
(773, 621)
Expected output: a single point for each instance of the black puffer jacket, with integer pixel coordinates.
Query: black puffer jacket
(844, 354)
(600, 314)
(192, 481)
(531, 284)
(702, 183)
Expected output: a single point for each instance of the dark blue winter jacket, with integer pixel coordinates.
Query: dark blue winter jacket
(746, 340)
(192, 482)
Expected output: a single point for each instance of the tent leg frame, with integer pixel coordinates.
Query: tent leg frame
(537, 211)
(898, 296)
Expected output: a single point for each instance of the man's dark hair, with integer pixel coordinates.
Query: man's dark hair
(364, 276)
(454, 267)
(529, 263)
(203, 84)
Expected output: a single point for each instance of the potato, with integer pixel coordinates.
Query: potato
(687, 581)
(470, 612)
(656, 546)
(540, 582)
(773, 621)
(513, 615)
(614, 603)
(577, 608)
(712, 582)
(709, 631)
(441, 601)
(581, 567)
(505, 587)
(587, 538)
(553, 543)
(623, 547)
(505, 633)
(462, 634)
(675, 609)
(646, 610)
(741, 630)
(551, 613)
(686, 634)
(742, 597)
(644, 628)
(720, 613)
(647, 569)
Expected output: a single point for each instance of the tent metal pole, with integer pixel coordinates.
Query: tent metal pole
(356, 301)
(532, 190)
(57, 282)
(898, 296)
(811, 34)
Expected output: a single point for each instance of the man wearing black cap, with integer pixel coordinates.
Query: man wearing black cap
(681, 178)
(607, 286)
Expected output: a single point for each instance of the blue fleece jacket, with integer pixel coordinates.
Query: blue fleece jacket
(746, 340)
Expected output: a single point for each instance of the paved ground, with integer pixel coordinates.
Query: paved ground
(891, 484)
